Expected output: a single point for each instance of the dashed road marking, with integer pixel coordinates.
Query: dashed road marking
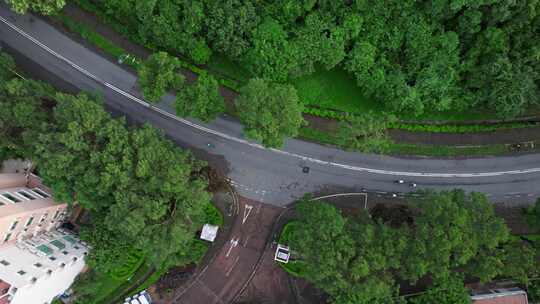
(232, 267)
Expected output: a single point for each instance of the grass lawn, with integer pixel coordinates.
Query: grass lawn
(222, 65)
(334, 89)
(337, 90)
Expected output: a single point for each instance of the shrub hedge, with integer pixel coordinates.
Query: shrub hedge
(462, 128)
(134, 259)
(325, 113)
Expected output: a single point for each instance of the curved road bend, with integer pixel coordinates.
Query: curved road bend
(271, 176)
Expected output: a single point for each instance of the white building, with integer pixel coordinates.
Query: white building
(38, 261)
(40, 268)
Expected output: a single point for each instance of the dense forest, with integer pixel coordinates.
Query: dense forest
(435, 242)
(410, 55)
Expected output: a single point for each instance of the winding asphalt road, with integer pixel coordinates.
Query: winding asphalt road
(268, 175)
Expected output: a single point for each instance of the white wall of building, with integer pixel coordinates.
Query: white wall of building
(46, 289)
(37, 276)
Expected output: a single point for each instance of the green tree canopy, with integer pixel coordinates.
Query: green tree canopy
(108, 249)
(144, 187)
(448, 291)
(158, 74)
(359, 258)
(520, 261)
(269, 111)
(25, 110)
(453, 230)
(323, 243)
(271, 56)
(45, 7)
(411, 56)
(7, 67)
(533, 215)
(201, 100)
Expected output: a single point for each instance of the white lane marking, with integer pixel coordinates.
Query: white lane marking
(247, 211)
(246, 241)
(341, 194)
(234, 243)
(232, 267)
(255, 145)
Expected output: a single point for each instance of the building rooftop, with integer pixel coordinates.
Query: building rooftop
(39, 256)
(17, 195)
(502, 296)
(209, 232)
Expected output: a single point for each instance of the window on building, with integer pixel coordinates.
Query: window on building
(33, 280)
(14, 225)
(56, 214)
(52, 258)
(29, 222)
(4, 262)
(7, 237)
(43, 218)
(21, 272)
(49, 271)
(62, 265)
(38, 265)
(75, 259)
(77, 247)
(26, 195)
(64, 252)
(41, 192)
(11, 198)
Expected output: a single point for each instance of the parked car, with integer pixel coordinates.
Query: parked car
(140, 298)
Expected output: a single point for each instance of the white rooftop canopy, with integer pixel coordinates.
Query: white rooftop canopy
(209, 232)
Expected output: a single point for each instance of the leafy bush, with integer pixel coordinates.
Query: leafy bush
(198, 249)
(130, 264)
(324, 113)
(317, 136)
(433, 128)
(461, 128)
(294, 267)
(212, 215)
(533, 291)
